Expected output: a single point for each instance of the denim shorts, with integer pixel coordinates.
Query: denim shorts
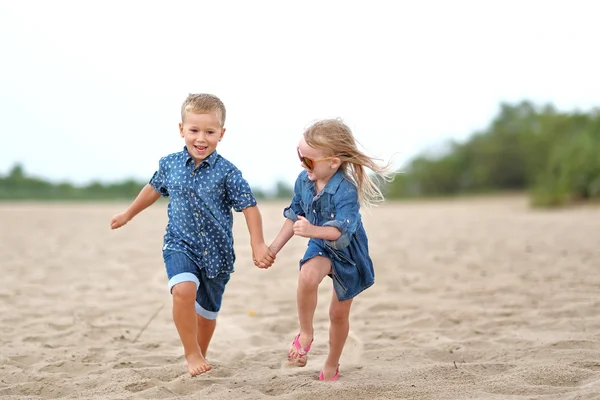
(209, 291)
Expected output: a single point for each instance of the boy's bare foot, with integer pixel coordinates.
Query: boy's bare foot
(197, 364)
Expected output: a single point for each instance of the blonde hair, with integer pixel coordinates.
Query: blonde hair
(336, 138)
(203, 103)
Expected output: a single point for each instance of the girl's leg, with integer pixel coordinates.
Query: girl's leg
(339, 316)
(311, 274)
(184, 316)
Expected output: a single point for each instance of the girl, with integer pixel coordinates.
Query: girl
(325, 209)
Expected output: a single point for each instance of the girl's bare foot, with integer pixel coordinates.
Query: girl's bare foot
(197, 364)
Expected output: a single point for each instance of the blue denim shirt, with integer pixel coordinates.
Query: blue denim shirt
(200, 217)
(336, 205)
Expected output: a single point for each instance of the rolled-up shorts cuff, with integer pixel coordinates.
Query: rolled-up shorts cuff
(183, 277)
(209, 291)
(205, 313)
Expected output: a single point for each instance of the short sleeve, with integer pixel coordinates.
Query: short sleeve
(347, 218)
(158, 180)
(295, 208)
(238, 191)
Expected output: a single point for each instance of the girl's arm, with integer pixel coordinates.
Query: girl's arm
(291, 213)
(285, 234)
(305, 229)
(337, 232)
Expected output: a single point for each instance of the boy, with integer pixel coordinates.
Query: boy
(198, 245)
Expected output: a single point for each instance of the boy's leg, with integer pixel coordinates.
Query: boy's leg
(184, 316)
(183, 283)
(206, 328)
(339, 316)
(311, 274)
(208, 304)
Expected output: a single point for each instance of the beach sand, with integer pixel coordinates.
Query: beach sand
(474, 299)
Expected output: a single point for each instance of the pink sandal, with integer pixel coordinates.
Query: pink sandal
(301, 358)
(334, 378)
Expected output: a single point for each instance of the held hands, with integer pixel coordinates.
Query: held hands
(119, 220)
(262, 255)
(303, 228)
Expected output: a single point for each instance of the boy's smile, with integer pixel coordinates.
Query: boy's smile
(201, 150)
(201, 133)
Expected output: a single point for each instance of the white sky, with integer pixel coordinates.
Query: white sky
(92, 90)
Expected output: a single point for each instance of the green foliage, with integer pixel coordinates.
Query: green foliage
(555, 156)
(17, 185)
(572, 173)
(283, 191)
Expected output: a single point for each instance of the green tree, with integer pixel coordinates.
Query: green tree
(552, 154)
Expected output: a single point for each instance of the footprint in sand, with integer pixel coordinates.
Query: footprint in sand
(23, 361)
(139, 386)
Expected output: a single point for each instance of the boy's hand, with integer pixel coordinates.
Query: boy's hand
(303, 228)
(262, 256)
(119, 220)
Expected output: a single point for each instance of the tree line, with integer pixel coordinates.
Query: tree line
(552, 155)
(18, 185)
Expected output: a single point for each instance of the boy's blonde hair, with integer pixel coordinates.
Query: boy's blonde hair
(203, 103)
(335, 138)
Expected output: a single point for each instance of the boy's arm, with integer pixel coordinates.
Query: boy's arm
(147, 196)
(260, 252)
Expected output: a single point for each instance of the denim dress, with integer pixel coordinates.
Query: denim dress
(336, 205)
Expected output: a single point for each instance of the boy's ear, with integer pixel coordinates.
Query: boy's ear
(222, 134)
(181, 129)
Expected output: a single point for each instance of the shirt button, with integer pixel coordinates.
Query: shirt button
(202, 233)
(195, 214)
(205, 252)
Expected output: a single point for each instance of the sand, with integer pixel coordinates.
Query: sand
(474, 299)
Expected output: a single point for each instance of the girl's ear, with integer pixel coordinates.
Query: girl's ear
(335, 162)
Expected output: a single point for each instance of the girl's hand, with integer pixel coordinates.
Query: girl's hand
(303, 228)
(262, 256)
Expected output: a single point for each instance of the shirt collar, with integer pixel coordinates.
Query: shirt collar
(210, 160)
(333, 184)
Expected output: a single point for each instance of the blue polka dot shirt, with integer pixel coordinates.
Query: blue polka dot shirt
(200, 207)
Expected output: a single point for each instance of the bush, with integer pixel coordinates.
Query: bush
(555, 156)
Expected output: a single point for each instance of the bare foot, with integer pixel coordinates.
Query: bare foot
(197, 364)
(297, 355)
